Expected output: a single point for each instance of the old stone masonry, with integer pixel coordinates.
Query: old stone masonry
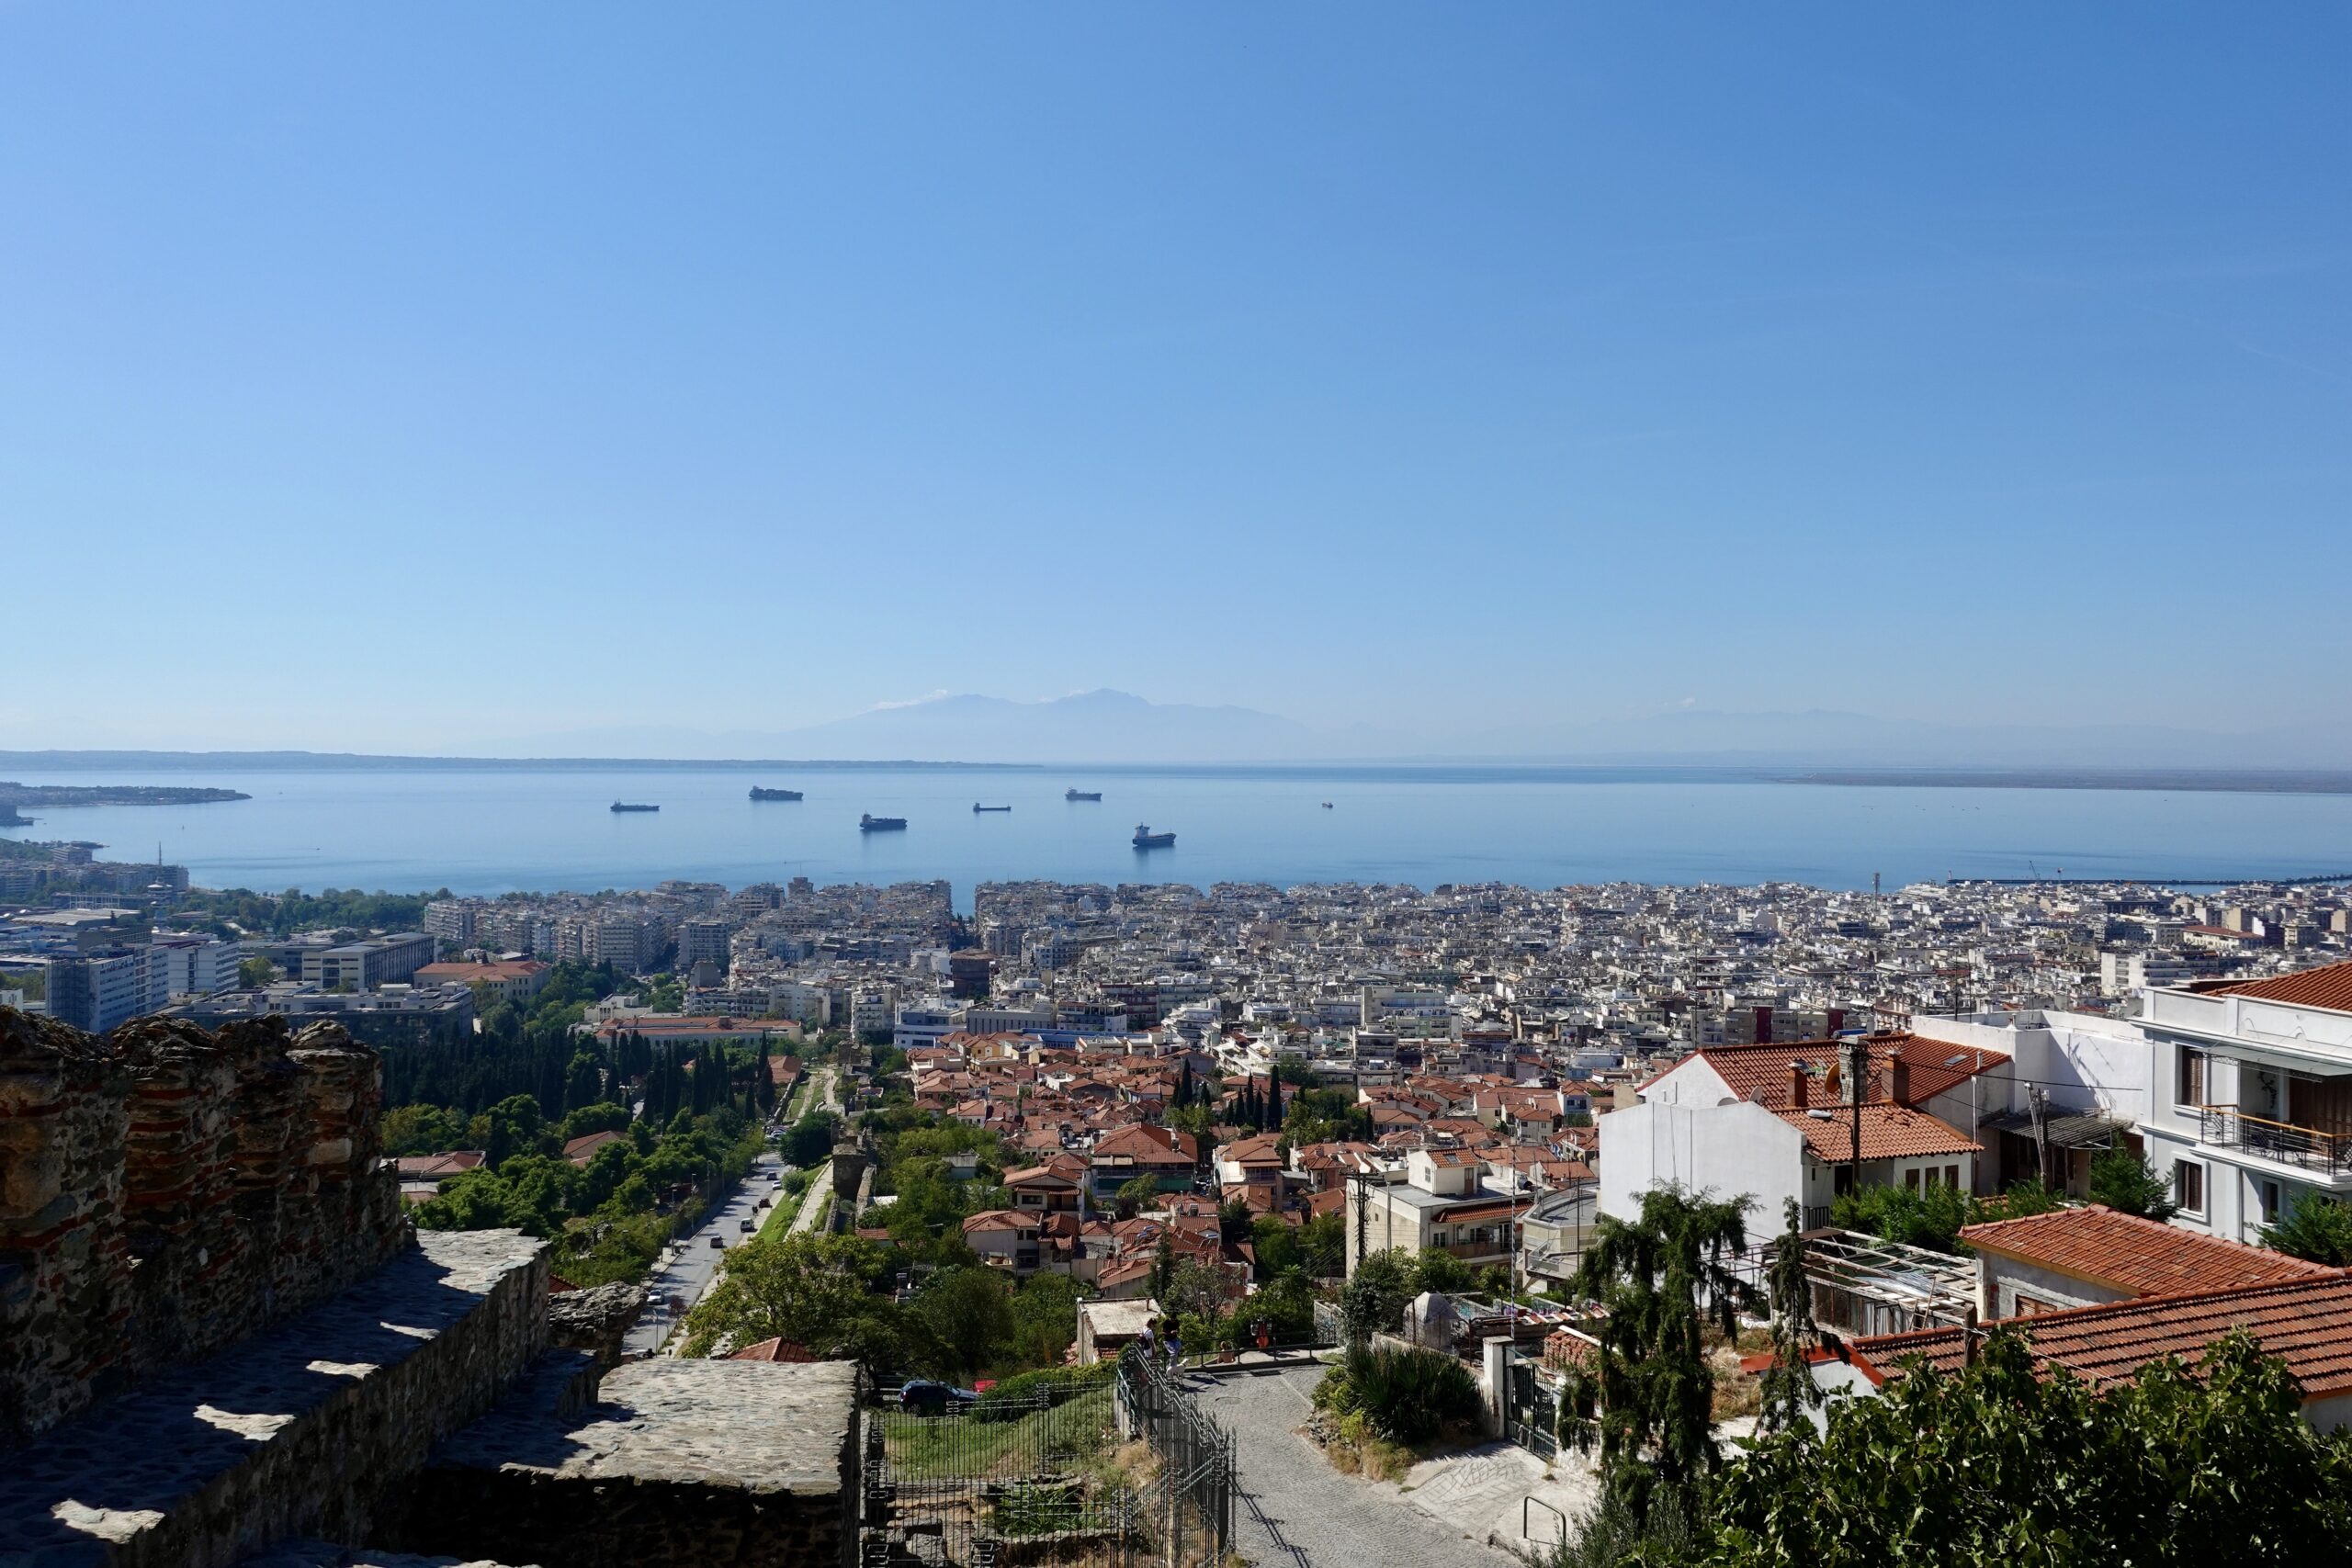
(221, 1344)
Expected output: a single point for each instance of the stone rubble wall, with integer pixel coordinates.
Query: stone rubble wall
(297, 1432)
(166, 1190)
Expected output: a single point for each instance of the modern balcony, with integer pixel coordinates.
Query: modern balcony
(2306, 1148)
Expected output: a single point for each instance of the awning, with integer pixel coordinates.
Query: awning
(2065, 1130)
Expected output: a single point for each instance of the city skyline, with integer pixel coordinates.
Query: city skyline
(571, 371)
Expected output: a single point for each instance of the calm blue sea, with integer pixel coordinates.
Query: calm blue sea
(496, 830)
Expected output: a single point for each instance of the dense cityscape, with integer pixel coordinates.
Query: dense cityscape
(1141, 786)
(986, 1158)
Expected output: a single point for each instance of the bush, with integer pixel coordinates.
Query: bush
(1017, 1395)
(1405, 1396)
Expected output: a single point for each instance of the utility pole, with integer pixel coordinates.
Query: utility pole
(1858, 1066)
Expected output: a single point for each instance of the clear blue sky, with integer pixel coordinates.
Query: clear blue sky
(409, 377)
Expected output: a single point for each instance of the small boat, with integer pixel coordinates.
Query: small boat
(1146, 839)
(976, 807)
(759, 793)
(1327, 806)
(1081, 794)
(881, 824)
(632, 805)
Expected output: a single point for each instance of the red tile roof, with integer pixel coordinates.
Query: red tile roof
(2306, 1322)
(1889, 1132)
(2144, 1258)
(2329, 985)
(1761, 1073)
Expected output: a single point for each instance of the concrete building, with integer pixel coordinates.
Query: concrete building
(1440, 1203)
(2252, 1096)
(367, 963)
(919, 1024)
(196, 966)
(704, 941)
(104, 988)
(511, 980)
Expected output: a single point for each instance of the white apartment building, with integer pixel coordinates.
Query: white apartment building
(1440, 1203)
(703, 940)
(196, 966)
(2252, 1096)
(924, 1023)
(983, 1018)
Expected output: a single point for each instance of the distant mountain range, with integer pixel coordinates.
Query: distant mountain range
(1111, 727)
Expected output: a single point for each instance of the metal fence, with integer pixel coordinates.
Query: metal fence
(1116, 1473)
(1196, 1485)
(1531, 1407)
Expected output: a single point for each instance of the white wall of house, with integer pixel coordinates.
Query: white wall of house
(1730, 1149)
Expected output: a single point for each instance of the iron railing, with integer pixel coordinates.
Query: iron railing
(2310, 1149)
(1041, 1477)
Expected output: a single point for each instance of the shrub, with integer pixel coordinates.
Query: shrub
(1409, 1396)
(1017, 1395)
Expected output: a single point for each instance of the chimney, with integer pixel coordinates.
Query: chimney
(1898, 1080)
(1798, 1078)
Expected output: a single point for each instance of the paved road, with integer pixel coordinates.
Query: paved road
(1314, 1517)
(695, 1262)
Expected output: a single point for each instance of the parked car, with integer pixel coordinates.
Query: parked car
(718, 1243)
(923, 1398)
(746, 1226)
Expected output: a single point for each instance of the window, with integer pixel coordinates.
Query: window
(2188, 1186)
(1911, 1178)
(2190, 1090)
(1952, 1175)
(2267, 1193)
(2027, 1305)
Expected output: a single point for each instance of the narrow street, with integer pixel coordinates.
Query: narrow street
(1298, 1511)
(693, 1262)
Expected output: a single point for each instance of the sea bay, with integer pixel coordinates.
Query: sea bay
(528, 827)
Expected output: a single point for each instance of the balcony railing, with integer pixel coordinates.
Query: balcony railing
(2307, 1148)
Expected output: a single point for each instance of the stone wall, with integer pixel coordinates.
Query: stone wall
(298, 1431)
(166, 1190)
(675, 1463)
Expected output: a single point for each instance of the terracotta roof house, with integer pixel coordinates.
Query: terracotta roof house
(580, 1151)
(2305, 1322)
(2091, 1255)
(1718, 1121)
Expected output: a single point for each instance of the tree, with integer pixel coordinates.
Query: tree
(1930, 1217)
(1134, 1197)
(421, 1130)
(1437, 1269)
(810, 1139)
(1789, 1388)
(1045, 1318)
(583, 1080)
(2123, 1182)
(2316, 1227)
(1373, 1300)
(971, 1313)
(802, 1288)
(255, 972)
(1162, 1278)
(1647, 1398)
(2001, 1462)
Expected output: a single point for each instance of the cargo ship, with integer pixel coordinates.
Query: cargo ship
(631, 805)
(759, 793)
(1146, 839)
(881, 824)
(1081, 794)
(977, 806)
